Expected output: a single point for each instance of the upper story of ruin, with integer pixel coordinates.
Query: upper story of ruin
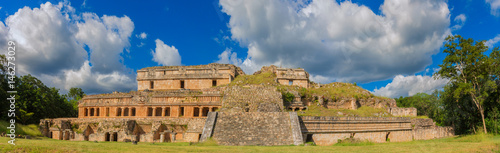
(179, 103)
(186, 77)
(159, 91)
(288, 76)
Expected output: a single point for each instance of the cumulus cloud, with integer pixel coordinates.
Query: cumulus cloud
(340, 40)
(165, 55)
(490, 43)
(143, 35)
(45, 40)
(107, 37)
(460, 22)
(228, 57)
(410, 85)
(50, 44)
(495, 7)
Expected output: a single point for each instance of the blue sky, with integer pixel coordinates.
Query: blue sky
(388, 47)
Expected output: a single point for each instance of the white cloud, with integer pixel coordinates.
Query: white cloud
(107, 37)
(165, 55)
(490, 43)
(341, 41)
(410, 85)
(228, 57)
(45, 40)
(50, 44)
(495, 7)
(143, 35)
(460, 22)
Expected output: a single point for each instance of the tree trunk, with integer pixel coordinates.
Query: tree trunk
(482, 117)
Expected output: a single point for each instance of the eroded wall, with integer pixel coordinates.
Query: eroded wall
(124, 130)
(329, 130)
(256, 128)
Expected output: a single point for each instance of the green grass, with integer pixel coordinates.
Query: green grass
(31, 129)
(456, 144)
(363, 111)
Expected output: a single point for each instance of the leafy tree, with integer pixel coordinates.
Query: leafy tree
(73, 96)
(428, 105)
(469, 71)
(75, 93)
(34, 100)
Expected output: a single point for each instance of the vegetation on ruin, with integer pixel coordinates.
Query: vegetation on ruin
(471, 143)
(266, 79)
(31, 129)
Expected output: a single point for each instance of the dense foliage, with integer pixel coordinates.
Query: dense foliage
(470, 101)
(34, 100)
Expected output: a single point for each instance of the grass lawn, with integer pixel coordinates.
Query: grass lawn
(473, 143)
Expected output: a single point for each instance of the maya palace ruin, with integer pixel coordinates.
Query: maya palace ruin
(194, 103)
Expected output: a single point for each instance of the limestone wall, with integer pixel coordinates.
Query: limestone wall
(328, 130)
(186, 77)
(124, 129)
(252, 99)
(396, 111)
(180, 103)
(255, 128)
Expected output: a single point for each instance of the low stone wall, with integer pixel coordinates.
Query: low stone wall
(256, 128)
(396, 111)
(329, 130)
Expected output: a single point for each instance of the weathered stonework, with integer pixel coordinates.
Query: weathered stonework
(124, 129)
(287, 76)
(256, 128)
(179, 104)
(328, 130)
(252, 98)
(186, 77)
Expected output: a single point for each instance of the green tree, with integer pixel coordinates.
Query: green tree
(73, 96)
(469, 71)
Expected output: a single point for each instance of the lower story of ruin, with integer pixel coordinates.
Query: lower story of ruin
(245, 128)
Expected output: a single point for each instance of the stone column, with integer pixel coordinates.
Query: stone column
(130, 111)
(123, 111)
(162, 137)
(201, 112)
(154, 111)
(111, 137)
(210, 109)
(173, 136)
(162, 112)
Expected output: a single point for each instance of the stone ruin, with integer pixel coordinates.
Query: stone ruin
(194, 103)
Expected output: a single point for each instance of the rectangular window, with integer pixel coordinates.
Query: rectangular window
(181, 112)
(290, 82)
(182, 84)
(151, 85)
(214, 83)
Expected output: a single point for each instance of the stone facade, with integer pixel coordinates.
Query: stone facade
(287, 76)
(328, 130)
(255, 128)
(150, 104)
(252, 98)
(124, 129)
(186, 77)
(179, 104)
